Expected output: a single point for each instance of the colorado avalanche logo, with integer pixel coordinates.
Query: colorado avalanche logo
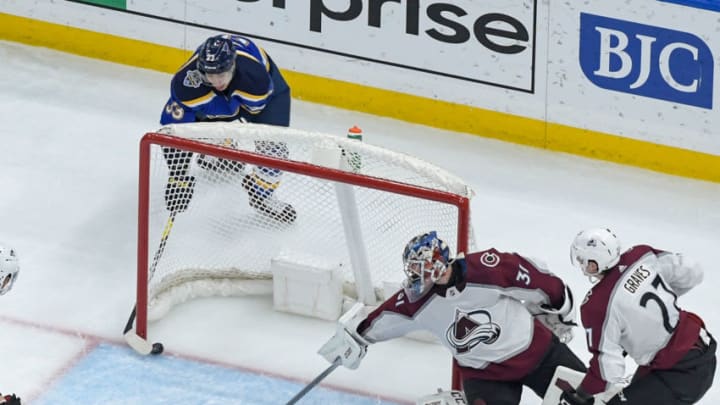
(489, 259)
(470, 329)
(193, 78)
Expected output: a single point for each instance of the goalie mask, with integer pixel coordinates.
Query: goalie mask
(9, 269)
(597, 245)
(425, 260)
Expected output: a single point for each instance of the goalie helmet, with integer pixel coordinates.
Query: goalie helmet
(425, 260)
(216, 55)
(9, 269)
(597, 245)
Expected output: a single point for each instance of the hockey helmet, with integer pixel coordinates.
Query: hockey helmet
(599, 245)
(9, 268)
(425, 261)
(216, 55)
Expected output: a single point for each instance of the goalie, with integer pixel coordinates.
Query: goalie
(9, 270)
(504, 317)
(229, 78)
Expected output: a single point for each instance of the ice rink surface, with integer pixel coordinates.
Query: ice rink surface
(68, 174)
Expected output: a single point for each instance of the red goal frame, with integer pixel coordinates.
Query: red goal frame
(163, 140)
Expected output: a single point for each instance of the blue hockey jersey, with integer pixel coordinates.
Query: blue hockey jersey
(193, 99)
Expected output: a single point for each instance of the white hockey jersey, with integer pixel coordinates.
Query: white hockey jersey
(633, 311)
(483, 316)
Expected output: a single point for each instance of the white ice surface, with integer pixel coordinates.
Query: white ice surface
(69, 139)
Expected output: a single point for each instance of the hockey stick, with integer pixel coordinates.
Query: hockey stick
(141, 345)
(316, 381)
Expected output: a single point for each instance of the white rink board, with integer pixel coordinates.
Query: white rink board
(442, 50)
(574, 100)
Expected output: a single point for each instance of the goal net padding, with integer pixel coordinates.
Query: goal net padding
(356, 205)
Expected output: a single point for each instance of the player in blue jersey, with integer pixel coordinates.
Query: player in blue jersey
(229, 78)
(9, 270)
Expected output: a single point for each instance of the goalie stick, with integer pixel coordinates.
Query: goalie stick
(316, 381)
(139, 344)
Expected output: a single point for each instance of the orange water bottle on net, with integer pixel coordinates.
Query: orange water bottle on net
(353, 158)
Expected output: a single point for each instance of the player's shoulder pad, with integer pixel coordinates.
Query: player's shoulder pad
(248, 49)
(251, 77)
(187, 85)
(487, 258)
(635, 253)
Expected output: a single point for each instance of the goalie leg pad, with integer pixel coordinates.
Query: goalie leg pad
(564, 379)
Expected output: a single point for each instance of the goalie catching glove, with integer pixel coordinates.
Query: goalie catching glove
(560, 321)
(346, 344)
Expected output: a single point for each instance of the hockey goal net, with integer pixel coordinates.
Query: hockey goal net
(338, 199)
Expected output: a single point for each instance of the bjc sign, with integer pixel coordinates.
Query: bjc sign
(646, 60)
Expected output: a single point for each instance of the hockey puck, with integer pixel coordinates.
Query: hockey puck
(157, 348)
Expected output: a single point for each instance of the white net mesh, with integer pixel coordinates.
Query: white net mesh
(227, 236)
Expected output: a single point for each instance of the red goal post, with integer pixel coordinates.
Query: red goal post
(351, 199)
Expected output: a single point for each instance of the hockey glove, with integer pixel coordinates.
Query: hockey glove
(579, 397)
(179, 192)
(345, 346)
(10, 400)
